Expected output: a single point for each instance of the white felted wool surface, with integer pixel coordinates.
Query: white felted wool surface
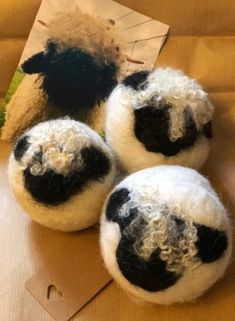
(157, 193)
(60, 142)
(173, 88)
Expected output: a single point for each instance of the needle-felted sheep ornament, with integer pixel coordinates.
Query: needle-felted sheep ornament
(163, 116)
(60, 172)
(165, 236)
(73, 75)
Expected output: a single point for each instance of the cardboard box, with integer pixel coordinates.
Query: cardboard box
(202, 44)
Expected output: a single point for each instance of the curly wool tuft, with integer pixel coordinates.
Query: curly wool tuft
(174, 237)
(57, 149)
(180, 92)
(164, 116)
(95, 35)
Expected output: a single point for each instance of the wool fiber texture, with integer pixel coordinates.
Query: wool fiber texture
(60, 172)
(73, 76)
(165, 235)
(163, 116)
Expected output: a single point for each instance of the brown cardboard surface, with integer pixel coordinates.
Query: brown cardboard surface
(16, 20)
(202, 44)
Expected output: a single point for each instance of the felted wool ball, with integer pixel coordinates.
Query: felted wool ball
(60, 172)
(79, 64)
(165, 236)
(163, 116)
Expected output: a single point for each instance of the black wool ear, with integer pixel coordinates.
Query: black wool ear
(137, 80)
(21, 147)
(116, 200)
(34, 64)
(211, 243)
(97, 163)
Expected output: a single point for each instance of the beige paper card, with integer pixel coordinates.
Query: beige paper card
(144, 36)
(66, 284)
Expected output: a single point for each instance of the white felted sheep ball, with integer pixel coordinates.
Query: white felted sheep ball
(60, 172)
(165, 236)
(163, 117)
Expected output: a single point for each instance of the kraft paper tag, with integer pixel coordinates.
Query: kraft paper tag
(144, 36)
(65, 285)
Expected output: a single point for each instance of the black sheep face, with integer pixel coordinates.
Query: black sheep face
(72, 75)
(59, 165)
(153, 128)
(80, 62)
(158, 251)
(164, 117)
(73, 79)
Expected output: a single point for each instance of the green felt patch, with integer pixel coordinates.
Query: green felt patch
(16, 80)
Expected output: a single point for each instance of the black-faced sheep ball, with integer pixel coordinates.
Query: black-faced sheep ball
(60, 172)
(165, 236)
(163, 116)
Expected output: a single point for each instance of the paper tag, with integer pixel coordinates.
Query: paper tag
(144, 36)
(66, 284)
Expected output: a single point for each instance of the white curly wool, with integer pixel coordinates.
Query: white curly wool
(56, 146)
(163, 86)
(173, 211)
(95, 35)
